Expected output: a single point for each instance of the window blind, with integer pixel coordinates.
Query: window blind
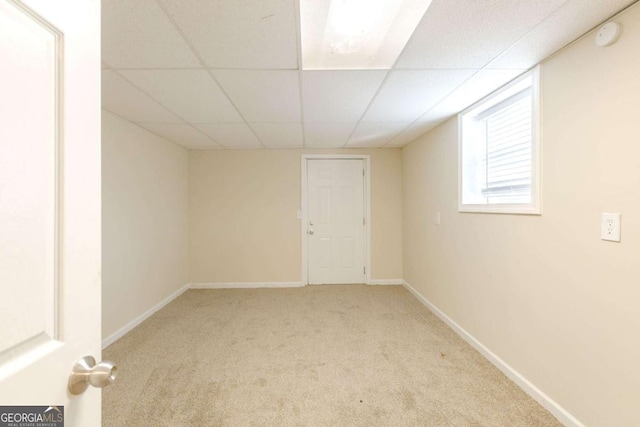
(506, 157)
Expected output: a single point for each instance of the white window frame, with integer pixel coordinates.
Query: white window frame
(535, 207)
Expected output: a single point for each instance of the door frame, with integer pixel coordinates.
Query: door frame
(366, 160)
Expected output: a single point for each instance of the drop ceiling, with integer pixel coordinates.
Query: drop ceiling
(226, 74)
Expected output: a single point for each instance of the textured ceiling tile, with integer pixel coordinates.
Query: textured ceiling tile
(327, 134)
(566, 24)
(121, 97)
(408, 94)
(181, 134)
(338, 96)
(137, 34)
(469, 34)
(474, 89)
(279, 135)
(231, 135)
(375, 134)
(191, 94)
(267, 96)
(239, 33)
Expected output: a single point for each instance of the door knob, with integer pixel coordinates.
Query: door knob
(86, 372)
(310, 231)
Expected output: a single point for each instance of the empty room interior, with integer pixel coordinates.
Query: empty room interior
(371, 213)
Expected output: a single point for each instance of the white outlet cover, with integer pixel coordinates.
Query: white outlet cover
(610, 227)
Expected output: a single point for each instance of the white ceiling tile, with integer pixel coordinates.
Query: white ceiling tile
(474, 89)
(375, 134)
(566, 24)
(327, 134)
(121, 97)
(469, 34)
(181, 134)
(338, 96)
(137, 34)
(408, 94)
(239, 34)
(191, 94)
(267, 96)
(159, 79)
(279, 135)
(231, 135)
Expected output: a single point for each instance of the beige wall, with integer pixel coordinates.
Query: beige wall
(544, 293)
(144, 221)
(243, 205)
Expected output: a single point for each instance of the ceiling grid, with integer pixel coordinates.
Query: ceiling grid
(228, 74)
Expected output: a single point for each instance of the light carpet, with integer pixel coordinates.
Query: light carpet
(350, 355)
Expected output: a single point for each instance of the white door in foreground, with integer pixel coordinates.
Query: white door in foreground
(49, 205)
(335, 213)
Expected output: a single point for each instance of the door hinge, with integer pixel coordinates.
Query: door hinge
(362, 172)
(364, 270)
(364, 221)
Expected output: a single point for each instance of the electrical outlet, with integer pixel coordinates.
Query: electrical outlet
(610, 227)
(437, 218)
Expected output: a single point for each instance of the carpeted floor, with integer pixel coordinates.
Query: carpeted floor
(316, 356)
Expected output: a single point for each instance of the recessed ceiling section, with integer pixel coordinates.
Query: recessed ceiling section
(407, 94)
(356, 34)
(267, 96)
(138, 34)
(184, 135)
(231, 135)
(193, 95)
(338, 96)
(239, 34)
(123, 98)
(469, 34)
(279, 135)
(324, 135)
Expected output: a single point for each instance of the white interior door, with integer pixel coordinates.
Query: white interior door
(335, 213)
(49, 203)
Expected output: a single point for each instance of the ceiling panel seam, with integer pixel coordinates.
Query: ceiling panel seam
(296, 6)
(145, 129)
(485, 67)
(384, 81)
(583, 35)
(393, 68)
(524, 35)
(168, 109)
(209, 72)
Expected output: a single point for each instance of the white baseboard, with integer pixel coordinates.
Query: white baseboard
(144, 316)
(245, 285)
(386, 282)
(538, 395)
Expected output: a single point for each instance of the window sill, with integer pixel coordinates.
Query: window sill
(501, 209)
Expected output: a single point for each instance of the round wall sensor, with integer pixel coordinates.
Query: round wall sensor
(608, 34)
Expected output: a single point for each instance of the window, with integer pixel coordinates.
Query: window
(499, 150)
